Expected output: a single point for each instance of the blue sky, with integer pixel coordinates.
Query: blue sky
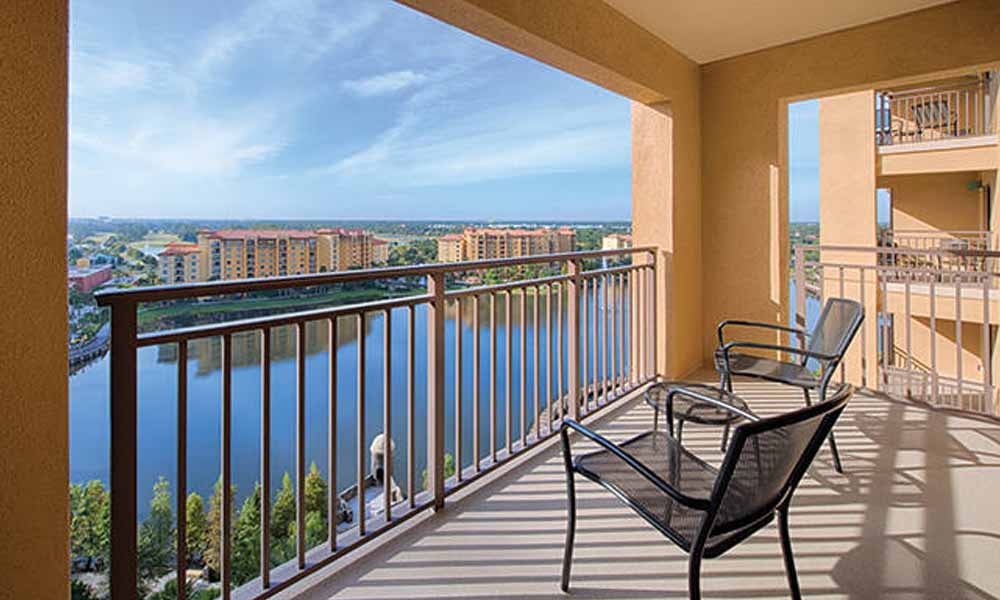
(336, 109)
(342, 109)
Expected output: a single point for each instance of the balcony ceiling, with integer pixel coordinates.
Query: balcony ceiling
(710, 30)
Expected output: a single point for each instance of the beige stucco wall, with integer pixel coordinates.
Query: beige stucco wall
(743, 132)
(939, 161)
(34, 439)
(941, 202)
(848, 215)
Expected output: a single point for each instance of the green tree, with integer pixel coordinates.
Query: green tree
(315, 493)
(157, 534)
(197, 527)
(246, 542)
(283, 511)
(90, 521)
(449, 470)
(213, 553)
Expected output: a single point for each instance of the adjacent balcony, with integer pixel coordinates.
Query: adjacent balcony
(960, 109)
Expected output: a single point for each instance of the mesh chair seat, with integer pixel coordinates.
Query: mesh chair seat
(767, 368)
(675, 465)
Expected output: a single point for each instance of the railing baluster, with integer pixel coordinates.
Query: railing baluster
(360, 442)
(524, 366)
(508, 370)
(548, 362)
(435, 387)
(909, 337)
(333, 501)
(265, 457)
(605, 339)
(843, 368)
(560, 331)
(958, 337)
(226, 546)
(387, 413)
(124, 541)
(573, 340)
(864, 337)
(621, 332)
(475, 382)
(987, 344)
(935, 380)
(536, 374)
(182, 553)
(458, 389)
(411, 394)
(493, 379)
(585, 339)
(595, 326)
(300, 446)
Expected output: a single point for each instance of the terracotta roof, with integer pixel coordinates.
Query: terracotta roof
(178, 248)
(342, 231)
(240, 234)
(378, 242)
(451, 237)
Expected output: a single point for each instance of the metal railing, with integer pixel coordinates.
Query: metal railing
(599, 334)
(960, 251)
(922, 311)
(936, 112)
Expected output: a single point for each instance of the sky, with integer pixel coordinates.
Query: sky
(342, 109)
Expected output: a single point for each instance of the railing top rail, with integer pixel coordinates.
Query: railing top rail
(169, 336)
(217, 288)
(938, 232)
(905, 251)
(934, 88)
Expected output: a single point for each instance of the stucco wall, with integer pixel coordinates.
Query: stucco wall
(34, 440)
(743, 131)
(941, 201)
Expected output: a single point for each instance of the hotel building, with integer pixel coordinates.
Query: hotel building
(179, 263)
(250, 253)
(486, 243)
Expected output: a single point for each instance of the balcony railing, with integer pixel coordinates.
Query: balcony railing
(947, 251)
(599, 331)
(933, 113)
(923, 309)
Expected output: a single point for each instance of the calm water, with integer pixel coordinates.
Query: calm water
(157, 381)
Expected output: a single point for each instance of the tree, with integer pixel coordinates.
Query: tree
(315, 493)
(90, 522)
(449, 470)
(157, 534)
(246, 543)
(197, 527)
(283, 512)
(213, 546)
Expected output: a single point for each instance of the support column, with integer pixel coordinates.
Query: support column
(848, 211)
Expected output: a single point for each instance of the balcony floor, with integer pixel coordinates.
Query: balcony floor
(916, 515)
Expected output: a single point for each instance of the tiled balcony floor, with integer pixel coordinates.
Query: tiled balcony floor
(916, 515)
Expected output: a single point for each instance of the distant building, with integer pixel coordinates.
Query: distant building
(451, 248)
(616, 241)
(85, 280)
(251, 253)
(380, 251)
(488, 243)
(179, 263)
(344, 249)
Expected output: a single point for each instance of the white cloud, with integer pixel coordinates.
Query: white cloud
(386, 83)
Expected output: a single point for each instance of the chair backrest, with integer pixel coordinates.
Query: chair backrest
(767, 459)
(838, 323)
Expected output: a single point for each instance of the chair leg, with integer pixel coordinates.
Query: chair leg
(833, 441)
(694, 575)
(570, 530)
(680, 430)
(725, 438)
(656, 418)
(786, 552)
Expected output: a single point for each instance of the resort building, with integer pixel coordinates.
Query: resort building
(87, 278)
(485, 243)
(253, 253)
(344, 249)
(616, 241)
(380, 251)
(179, 262)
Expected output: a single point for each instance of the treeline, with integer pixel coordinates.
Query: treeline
(90, 531)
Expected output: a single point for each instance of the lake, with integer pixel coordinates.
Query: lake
(157, 394)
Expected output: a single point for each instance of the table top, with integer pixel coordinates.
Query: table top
(687, 408)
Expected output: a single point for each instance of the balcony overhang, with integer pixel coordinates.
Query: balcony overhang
(939, 156)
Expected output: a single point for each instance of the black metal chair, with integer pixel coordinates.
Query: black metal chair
(704, 510)
(827, 343)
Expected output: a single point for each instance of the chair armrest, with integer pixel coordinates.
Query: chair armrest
(694, 395)
(757, 324)
(775, 347)
(628, 459)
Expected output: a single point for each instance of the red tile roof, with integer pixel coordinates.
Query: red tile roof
(240, 234)
(179, 248)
